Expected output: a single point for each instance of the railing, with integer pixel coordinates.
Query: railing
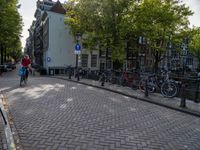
(132, 79)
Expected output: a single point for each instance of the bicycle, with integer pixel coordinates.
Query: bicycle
(168, 87)
(23, 75)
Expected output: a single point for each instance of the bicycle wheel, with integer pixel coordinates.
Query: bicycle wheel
(169, 89)
(21, 80)
(150, 85)
(25, 80)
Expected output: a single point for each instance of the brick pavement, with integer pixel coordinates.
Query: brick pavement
(56, 114)
(153, 97)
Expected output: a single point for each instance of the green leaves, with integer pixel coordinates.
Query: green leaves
(11, 26)
(110, 21)
(194, 43)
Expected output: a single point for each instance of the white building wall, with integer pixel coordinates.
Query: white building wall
(61, 43)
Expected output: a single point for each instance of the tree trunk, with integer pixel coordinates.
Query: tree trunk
(156, 62)
(1, 54)
(5, 54)
(198, 65)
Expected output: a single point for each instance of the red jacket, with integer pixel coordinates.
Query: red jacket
(26, 62)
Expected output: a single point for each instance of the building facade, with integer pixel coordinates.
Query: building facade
(53, 46)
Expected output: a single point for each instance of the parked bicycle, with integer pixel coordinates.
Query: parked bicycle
(168, 87)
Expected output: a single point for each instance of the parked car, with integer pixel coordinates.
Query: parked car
(3, 68)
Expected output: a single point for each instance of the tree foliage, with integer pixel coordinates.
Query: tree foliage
(11, 27)
(194, 43)
(159, 21)
(110, 23)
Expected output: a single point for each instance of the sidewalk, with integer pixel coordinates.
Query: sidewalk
(155, 98)
(3, 143)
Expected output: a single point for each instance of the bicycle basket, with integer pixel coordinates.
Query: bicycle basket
(22, 71)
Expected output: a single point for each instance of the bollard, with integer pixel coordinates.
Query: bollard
(146, 88)
(102, 83)
(77, 75)
(78, 78)
(70, 73)
(4, 119)
(197, 92)
(183, 99)
(103, 79)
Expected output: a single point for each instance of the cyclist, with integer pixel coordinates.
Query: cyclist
(26, 62)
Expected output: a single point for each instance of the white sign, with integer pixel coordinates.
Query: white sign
(48, 59)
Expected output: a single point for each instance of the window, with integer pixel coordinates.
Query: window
(102, 53)
(84, 60)
(189, 61)
(109, 53)
(109, 64)
(94, 61)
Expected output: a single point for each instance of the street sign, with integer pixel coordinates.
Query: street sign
(77, 48)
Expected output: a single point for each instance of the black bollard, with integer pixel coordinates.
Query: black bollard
(146, 88)
(197, 92)
(70, 72)
(103, 79)
(183, 99)
(70, 75)
(78, 78)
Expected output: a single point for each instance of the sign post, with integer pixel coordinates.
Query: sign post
(77, 52)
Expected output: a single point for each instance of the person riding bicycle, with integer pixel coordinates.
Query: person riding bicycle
(26, 64)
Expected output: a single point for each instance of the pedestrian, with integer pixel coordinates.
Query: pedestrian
(26, 63)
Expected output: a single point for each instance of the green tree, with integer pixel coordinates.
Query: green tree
(158, 21)
(10, 29)
(194, 43)
(111, 23)
(101, 22)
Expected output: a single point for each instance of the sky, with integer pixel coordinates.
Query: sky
(28, 8)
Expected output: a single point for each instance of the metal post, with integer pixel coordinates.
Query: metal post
(146, 88)
(197, 91)
(76, 61)
(70, 72)
(102, 79)
(183, 99)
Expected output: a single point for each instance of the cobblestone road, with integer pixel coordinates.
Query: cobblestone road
(56, 114)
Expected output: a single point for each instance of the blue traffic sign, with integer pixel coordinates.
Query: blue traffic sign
(77, 47)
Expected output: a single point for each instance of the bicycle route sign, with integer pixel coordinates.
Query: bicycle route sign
(77, 48)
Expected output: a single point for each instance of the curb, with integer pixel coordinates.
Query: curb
(183, 110)
(10, 144)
